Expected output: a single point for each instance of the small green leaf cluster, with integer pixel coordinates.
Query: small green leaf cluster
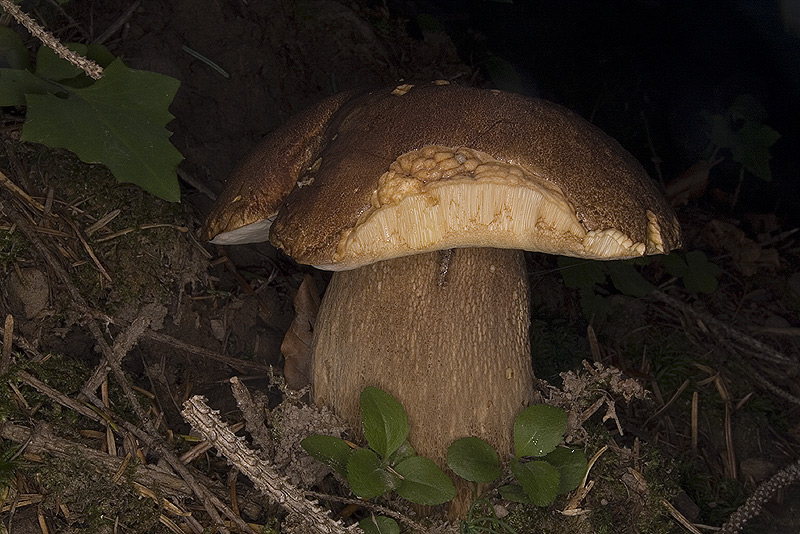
(742, 131)
(542, 468)
(388, 464)
(693, 268)
(118, 120)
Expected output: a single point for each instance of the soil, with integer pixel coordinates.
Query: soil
(278, 58)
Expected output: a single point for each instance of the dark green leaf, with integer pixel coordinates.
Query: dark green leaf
(752, 148)
(423, 482)
(571, 465)
(384, 419)
(404, 451)
(13, 54)
(51, 66)
(580, 273)
(118, 121)
(15, 84)
(473, 459)
(378, 524)
(675, 264)
(539, 479)
(538, 430)
(514, 493)
(595, 307)
(628, 280)
(331, 451)
(367, 476)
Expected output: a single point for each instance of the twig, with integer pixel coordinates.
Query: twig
(211, 503)
(125, 342)
(760, 350)
(44, 440)
(92, 69)
(277, 488)
(235, 363)
(765, 491)
(413, 525)
(8, 336)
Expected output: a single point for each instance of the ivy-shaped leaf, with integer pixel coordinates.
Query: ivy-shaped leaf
(384, 419)
(119, 121)
(473, 459)
(538, 430)
(423, 482)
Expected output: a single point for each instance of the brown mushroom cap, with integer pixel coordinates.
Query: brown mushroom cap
(434, 166)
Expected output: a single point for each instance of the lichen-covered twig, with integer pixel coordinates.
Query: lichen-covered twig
(765, 491)
(197, 413)
(92, 69)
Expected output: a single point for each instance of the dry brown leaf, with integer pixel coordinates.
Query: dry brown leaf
(296, 346)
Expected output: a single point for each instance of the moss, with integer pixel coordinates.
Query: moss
(94, 501)
(13, 247)
(147, 263)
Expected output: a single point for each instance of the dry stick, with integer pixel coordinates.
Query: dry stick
(235, 363)
(42, 439)
(761, 350)
(765, 491)
(8, 336)
(60, 398)
(150, 434)
(197, 413)
(25, 345)
(122, 346)
(92, 69)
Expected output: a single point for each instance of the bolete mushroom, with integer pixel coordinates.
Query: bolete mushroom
(423, 198)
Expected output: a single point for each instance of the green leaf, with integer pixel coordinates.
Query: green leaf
(628, 280)
(675, 265)
(698, 274)
(538, 430)
(423, 482)
(752, 148)
(473, 459)
(404, 451)
(595, 307)
(367, 476)
(51, 66)
(571, 465)
(378, 524)
(15, 84)
(118, 121)
(13, 53)
(514, 493)
(579, 273)
(539, 479)
(384, 419)
(331, 451)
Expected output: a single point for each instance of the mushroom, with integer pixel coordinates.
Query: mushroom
(422, 198)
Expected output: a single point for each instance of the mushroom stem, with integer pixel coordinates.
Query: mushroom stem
(445, 332)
